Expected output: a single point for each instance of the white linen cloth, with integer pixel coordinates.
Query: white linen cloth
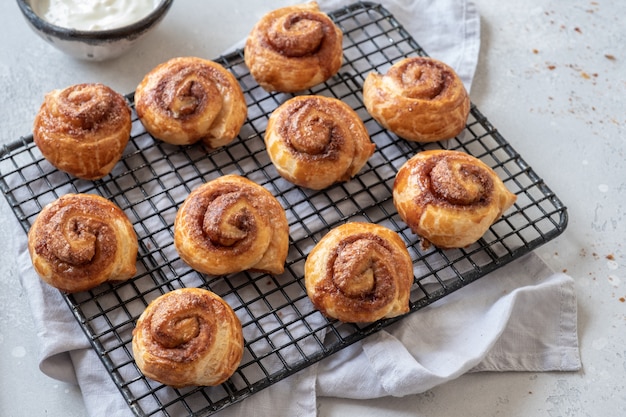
(520, 318)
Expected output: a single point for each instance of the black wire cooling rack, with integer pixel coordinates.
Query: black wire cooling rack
(283, 333)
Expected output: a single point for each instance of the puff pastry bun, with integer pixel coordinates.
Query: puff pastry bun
(316, 141)
(359, 272)
(232, 224)
(188, 337)
(449, 198)
(420, 99)
(79, 241)
(189, 99)
(83, 129)
(294, 48)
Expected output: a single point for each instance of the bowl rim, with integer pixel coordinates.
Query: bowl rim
(61, 32)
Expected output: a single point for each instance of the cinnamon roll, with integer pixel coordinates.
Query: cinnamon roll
(294, 48)
(231, 224)
(188, 337)
(83, 129)
(79, 241)
(316, 141)
(419, 99)
(449, 198)
(359, 272)
(188, 99)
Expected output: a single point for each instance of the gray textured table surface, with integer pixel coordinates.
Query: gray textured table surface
(551, 78)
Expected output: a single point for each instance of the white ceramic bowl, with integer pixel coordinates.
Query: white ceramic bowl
(97, 45)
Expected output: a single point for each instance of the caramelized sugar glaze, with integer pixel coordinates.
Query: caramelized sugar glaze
(80, 241)
(232, 224)
(188, 99)
(83, 129)
(449, 198)
(359, 272)
(187, 337)
(316, 141)
(294, 48)
(419, 99)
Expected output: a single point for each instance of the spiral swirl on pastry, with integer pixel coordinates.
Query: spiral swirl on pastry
(359, 272)
(231, 224)
(188, 99)
(419, 99)
(187, 337)
(316, 141)
(79, 241)
(294, 48)
(449, 198)
(83, 129)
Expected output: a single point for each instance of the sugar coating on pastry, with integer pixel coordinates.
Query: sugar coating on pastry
(188, 337)
(189, 99)
(294, 48)
(83, 129)
(449, 198)
(316, 141)
(231, 224)
(359, 272)
(420, 99)
(79, 241)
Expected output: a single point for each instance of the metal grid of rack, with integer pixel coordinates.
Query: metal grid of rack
(283, 333)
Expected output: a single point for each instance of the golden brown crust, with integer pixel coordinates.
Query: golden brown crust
(316, 141)
(232, 224)
(83, 129)
(188, 337)
(419, 99)
(79, 241)
(449, 198)
(189, 99)
(294, 48)
(359, 272)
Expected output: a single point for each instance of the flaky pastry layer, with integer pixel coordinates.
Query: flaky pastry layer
(449, 198)
(188, 337)
(419, 98)
(316, 141)
(232, 224)
(294, 48)
(79, 241)
(83, 129)
(189, 99)
(359, 272)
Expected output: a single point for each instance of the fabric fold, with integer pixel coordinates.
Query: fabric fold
(448, 30)
(59, 333)
(510, 320)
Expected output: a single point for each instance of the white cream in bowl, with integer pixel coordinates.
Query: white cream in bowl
(93, 15)
(94, 30)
